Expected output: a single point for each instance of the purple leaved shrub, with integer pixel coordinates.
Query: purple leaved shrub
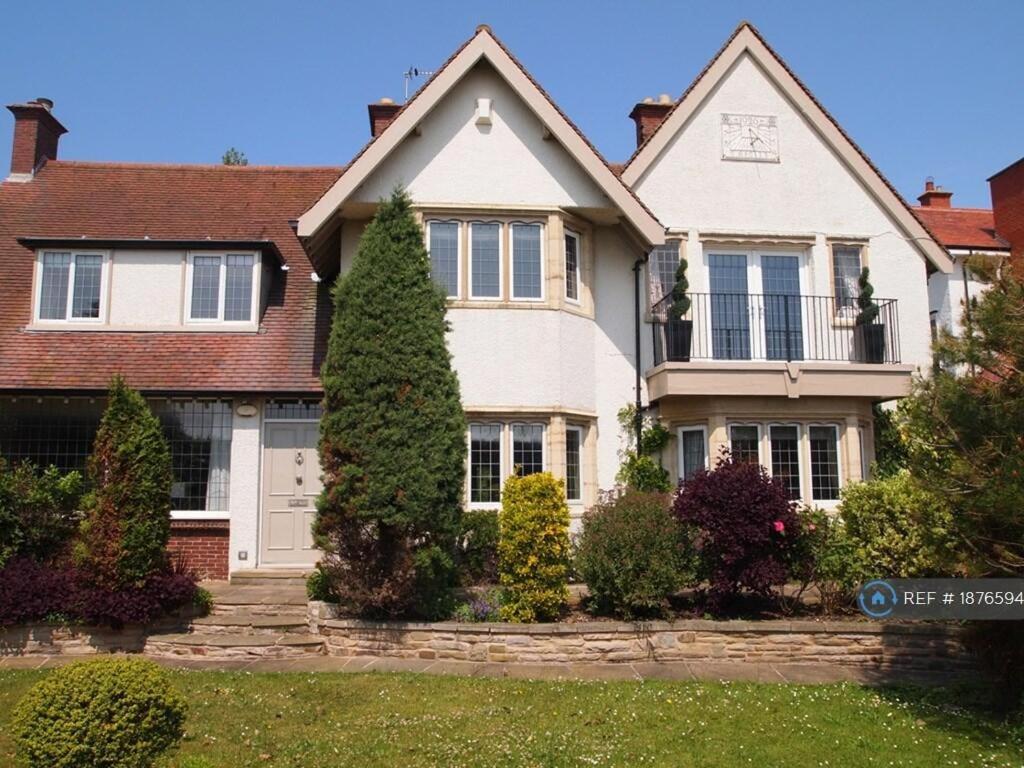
(32, 592)
(744, 526)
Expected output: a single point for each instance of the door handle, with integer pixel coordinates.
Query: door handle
(298, 458)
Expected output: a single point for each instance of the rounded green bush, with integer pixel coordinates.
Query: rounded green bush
(107, 713)
(633, 555)
(900, 529)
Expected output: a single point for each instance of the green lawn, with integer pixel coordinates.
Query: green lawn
(330, 719)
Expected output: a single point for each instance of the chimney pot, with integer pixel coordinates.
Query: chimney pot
(36, 136)
(933, 196)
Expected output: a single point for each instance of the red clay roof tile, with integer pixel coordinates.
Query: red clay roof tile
(164, 202)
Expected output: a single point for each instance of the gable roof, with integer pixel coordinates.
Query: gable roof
(484, 45)
(971, 228)
(747, 40)
(156, 206)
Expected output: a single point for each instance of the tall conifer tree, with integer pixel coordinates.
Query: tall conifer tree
(393, 433)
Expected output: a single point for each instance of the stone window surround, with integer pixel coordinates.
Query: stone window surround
(555, 422)
(555, 223)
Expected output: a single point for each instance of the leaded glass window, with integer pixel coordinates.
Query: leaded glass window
(527, 267)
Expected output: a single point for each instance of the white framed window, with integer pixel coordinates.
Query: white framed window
(846, 266)
(661, 274)
(693, 451)
(527, 449)
(573, 256)
(496, 450)
(71, 286)
(485, 260)
(485, 464)
(573, 463)
(784, 445)
(745, 443)
(443, 243)
(222, 287)
(527, 247)
(823, 441)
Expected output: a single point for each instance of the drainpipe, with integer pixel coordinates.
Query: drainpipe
(638, 419)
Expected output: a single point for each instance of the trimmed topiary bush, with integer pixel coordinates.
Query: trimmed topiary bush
(477, 554)
(899, 529)
(114, 713)
(38, 511)
(393, 433)
(123, 539)
(632, 554)
(533, 549)
(745, 528)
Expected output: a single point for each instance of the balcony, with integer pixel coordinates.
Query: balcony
(776, 344)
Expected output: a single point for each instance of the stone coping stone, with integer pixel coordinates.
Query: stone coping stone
(237, 641)
(772, 626)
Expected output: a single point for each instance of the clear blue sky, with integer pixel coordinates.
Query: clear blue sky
(926, 88)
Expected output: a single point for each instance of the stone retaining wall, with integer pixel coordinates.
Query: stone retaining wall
(78, 640)
(860, 644)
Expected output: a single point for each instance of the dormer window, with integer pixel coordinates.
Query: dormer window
(221, 287)
(71, 286)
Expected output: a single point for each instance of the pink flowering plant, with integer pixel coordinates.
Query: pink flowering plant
(746, 529)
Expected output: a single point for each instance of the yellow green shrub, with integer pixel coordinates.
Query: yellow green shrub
(533, 550)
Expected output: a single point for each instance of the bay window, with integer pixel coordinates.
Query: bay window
(693, 455)
(443, 244)
(745, 443)
(485, 260)
(784, 441)
(824, 444)
(498, 450)
(574, 463)
(485, 463)
(527, 262)
(572, 266)
(527, 449)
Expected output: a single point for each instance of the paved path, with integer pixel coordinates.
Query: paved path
(678, 671)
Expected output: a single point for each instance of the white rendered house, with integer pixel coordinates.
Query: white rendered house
(206, 286)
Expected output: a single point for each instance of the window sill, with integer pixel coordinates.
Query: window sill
(199, 515)
(45, 326)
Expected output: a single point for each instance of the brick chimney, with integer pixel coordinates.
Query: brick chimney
(934, 197)
(381, 115)
(1007, 188)
(649, 114)
(36, 134)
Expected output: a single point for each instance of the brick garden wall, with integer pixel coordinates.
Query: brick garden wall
(203, 544)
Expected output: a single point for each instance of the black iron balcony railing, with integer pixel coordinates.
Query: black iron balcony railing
(787, 327)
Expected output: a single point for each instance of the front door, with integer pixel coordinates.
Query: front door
(291, 484)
